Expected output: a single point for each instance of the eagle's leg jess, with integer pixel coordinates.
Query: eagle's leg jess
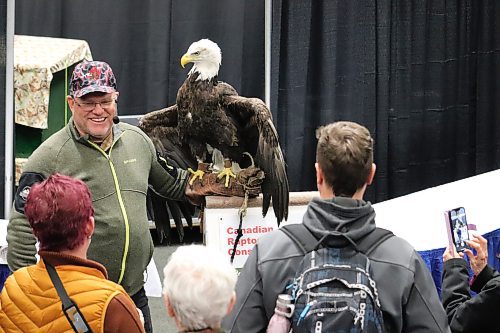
(226, 172)
(251, 158)
(202, 168)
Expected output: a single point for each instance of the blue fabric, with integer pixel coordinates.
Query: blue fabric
(434, 258)
(4, 273)
(434, 261)
(494, 248)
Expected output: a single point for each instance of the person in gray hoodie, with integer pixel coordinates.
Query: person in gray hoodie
(344, 169)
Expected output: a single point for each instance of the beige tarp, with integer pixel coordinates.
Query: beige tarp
(35, 60)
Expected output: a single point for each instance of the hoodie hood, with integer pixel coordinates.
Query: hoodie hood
(354, 218)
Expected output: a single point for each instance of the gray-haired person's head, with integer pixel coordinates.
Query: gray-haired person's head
(198, 287)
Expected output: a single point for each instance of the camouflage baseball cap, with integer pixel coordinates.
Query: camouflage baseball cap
(90, 76)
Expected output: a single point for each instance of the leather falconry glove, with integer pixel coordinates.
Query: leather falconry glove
(247, 180)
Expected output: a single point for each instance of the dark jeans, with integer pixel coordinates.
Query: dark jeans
(141, 301)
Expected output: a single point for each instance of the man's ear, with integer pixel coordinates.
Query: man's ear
(71, 102)
(325, 190)
(320, 179)
(170, 308)
(231, 303)
(371, 175)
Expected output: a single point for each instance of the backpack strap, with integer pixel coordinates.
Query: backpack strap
(371, 241)
(301, 236)
(306, 242)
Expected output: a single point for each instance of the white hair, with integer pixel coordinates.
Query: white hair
(199, 283)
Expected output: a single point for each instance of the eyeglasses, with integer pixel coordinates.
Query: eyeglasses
(92, 105)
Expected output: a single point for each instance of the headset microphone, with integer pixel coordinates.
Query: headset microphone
(116, 120)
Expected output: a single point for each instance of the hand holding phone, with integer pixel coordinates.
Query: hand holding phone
(480, 259)
(458, 231)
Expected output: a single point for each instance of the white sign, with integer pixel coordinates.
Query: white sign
(222, 229)
(253, 229)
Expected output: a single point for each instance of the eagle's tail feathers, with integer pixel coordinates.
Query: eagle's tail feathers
(175, 212)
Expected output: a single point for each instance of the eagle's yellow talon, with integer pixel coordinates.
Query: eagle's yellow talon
(196, 174)
(228, 173)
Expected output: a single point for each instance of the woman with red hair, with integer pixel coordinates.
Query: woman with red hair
(61, 216)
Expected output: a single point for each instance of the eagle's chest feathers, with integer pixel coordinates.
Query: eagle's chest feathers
(202, 115)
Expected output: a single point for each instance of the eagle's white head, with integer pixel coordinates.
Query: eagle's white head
(206, 58)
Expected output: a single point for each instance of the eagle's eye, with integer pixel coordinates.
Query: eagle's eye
(196, 53)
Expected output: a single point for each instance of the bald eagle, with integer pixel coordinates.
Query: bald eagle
(210, 114)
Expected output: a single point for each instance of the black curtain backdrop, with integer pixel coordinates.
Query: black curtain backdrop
(144, 40)
(419, 74)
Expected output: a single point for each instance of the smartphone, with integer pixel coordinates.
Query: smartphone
(458, 231)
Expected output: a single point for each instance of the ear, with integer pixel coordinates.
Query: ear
(325, 191)
(231, 303)
(90, 226)
(170, 309)
(371, 175)
(71, 102)
(320, 179)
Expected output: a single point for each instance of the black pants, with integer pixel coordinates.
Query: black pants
(141, 301)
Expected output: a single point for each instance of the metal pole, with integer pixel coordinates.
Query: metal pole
(267, 50)
(9, 109)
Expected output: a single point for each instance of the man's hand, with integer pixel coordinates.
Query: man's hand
(480, 260)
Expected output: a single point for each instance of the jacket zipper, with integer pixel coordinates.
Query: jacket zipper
(122, 206)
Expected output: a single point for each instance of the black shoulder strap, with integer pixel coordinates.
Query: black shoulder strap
(306, 242)
(70, 309)
(371, 241)
(301, 236)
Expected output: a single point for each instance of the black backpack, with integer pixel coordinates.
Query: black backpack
(333, 288)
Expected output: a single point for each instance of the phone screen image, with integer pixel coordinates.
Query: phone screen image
(459, 230)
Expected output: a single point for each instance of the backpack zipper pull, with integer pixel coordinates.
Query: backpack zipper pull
(305, 311)
(293, 286)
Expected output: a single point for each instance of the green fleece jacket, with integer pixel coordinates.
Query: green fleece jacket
(118, 180)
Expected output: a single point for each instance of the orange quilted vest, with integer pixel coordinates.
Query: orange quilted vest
(29, 301)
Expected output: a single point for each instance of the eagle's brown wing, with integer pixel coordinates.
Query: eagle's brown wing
(164, 118)
(160, 126)
(256, 120)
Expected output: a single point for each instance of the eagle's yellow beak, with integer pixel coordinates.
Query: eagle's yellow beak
(186, 59)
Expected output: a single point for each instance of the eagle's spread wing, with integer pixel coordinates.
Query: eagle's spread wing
(253, 114)
(164, 118)
(160, 126)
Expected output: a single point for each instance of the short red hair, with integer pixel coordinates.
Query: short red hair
(58, 210)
